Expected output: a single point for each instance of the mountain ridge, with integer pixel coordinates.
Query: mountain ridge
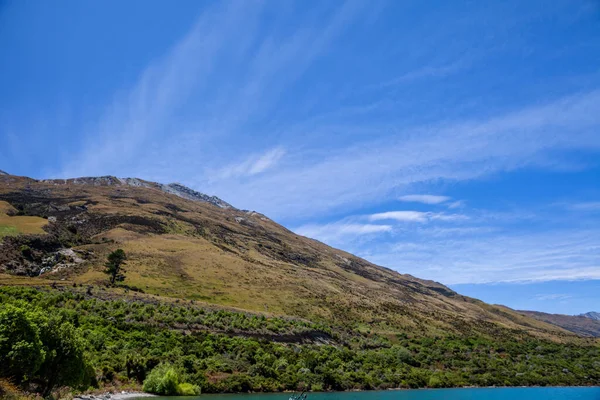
(579, 324)
(592, 315)
(174, 188)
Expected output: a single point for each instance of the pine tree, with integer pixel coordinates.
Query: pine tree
(114, 263)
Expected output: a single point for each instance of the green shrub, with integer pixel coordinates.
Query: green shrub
(187, 389)
(65, 362)
(46, 349)
(163, 380)
(21, 349)
(25, 251)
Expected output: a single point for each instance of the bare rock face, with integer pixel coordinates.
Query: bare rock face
(190, 194)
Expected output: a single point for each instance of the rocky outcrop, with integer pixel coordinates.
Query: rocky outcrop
(190, 194)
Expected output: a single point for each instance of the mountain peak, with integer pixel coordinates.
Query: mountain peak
(591, 315)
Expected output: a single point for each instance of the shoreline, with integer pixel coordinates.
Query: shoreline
(114, 396)
(134, 395)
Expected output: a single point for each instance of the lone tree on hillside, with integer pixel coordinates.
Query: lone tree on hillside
(114, 263)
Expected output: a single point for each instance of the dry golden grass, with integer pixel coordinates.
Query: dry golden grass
(15, 225)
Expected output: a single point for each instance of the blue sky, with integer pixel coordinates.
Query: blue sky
(455, 141)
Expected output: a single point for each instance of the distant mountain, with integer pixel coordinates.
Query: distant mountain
(3, 173)
(591, 315)
(582, 325)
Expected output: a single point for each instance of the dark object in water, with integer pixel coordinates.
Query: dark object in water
(301, 396)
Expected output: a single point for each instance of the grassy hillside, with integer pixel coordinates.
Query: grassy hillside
(195, 250)
(575, 323)
(12, 224)
(237, 302)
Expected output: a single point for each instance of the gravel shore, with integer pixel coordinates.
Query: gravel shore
(114, 396)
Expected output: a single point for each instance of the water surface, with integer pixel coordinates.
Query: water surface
(545, 393)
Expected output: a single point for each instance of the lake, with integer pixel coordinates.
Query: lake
(545, 393)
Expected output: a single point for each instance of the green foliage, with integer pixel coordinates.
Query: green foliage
(25, 251)
(114, 264)
(163, 380)
(65, 363)
(35, 346)
(174, 347)
(187, 389)
(21, 350)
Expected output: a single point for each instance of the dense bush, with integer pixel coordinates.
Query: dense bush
(21, 349)
(163, 379)
(41, 348)
(187, 389)
(143, 342)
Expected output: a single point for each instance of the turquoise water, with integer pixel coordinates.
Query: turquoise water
(437, 394)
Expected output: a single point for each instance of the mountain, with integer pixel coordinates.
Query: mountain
(172, 188)
(592, 315)
(582, 325)
(187, 245)
(3, 173)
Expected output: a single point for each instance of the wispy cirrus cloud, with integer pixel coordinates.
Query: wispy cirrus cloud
(424, 198)
(251, 166)
(409, 216)
(190, 104)
(429, 71)
(190, 113)
(334, 232)
(552, 297)
(492, 257)
(454, 152)
(138, 115)
(585, 206)
(415, 216)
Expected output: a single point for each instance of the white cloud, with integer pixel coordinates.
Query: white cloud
(424, 198)
(586, 206)
(483, 257)
(409, 216)
(553, 296)
(456, 204)
(447, 217)
(334, 232)
(415, 216)
(251, 166)
(137, 116)
(235, 114)
(372, 171)
(266, 161)
(190, 110)
(429, 71)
